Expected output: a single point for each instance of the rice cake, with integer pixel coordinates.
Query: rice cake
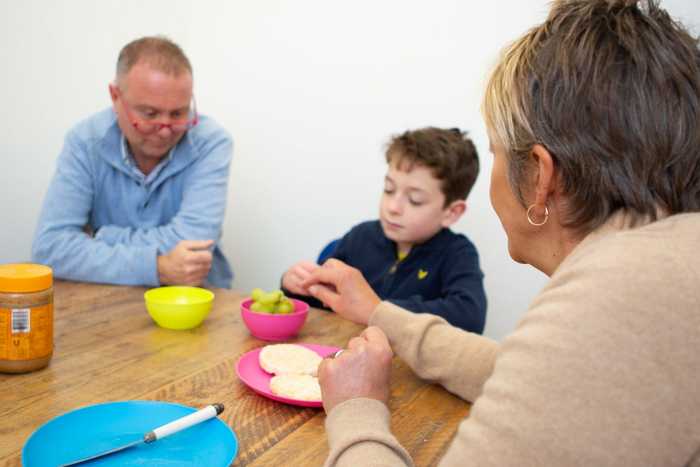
(295, 386)
(280, 359)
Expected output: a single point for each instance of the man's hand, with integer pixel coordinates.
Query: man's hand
(186, 264)
(362, 370)
(343, 289)
(297, 274)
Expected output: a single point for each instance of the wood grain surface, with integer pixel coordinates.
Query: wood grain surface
(107, 348)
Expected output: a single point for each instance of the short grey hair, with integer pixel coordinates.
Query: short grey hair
(158, 51)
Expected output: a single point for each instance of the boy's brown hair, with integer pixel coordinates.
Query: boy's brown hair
(449, 154)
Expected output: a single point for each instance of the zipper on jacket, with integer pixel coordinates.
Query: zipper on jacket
(388, 278)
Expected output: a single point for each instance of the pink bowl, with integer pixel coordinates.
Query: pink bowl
(269, 327)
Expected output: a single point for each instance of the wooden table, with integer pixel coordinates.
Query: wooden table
(107, 348)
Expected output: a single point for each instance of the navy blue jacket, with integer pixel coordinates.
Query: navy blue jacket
(441, 276)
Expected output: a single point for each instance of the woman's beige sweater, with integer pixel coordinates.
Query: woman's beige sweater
(602, 370)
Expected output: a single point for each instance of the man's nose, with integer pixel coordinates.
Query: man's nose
(165, 130)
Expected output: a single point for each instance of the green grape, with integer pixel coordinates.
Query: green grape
(285, 306)
(270, 302)
(256, 293)
(259, 307)
(279, 295)
(268, 298)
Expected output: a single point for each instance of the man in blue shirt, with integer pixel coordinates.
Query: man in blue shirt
(139, 193)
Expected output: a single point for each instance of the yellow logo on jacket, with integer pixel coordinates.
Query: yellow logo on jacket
(422, 273)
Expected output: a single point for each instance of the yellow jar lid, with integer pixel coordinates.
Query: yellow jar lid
(25, 277)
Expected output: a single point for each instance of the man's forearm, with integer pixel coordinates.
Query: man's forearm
(75, 256)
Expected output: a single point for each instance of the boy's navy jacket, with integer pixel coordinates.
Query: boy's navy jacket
(441, 276)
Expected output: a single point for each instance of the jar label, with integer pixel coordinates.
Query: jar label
(21, 320)
(26, 333)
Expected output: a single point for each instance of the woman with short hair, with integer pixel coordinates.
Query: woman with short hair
(594, 125)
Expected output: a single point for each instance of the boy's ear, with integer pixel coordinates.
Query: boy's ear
(453, 212)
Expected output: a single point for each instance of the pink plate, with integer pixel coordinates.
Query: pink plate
(258, 380)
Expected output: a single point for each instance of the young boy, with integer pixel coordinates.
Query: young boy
(409, 256)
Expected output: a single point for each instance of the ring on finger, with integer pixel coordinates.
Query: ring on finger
(337, 353)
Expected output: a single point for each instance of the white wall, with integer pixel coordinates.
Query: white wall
(311, 90)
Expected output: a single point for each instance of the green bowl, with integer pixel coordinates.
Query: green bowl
(178, 307)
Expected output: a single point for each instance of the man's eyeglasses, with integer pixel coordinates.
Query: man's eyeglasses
(148, 125)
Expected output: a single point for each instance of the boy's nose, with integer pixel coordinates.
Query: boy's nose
(394, 206)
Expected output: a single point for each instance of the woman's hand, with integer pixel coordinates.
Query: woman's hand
(362, 370)
(344, 290)
(296, 275)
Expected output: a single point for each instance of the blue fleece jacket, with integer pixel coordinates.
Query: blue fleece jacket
(441, 276)
(134, 217)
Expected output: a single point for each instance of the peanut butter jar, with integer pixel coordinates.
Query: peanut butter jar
(26, 317)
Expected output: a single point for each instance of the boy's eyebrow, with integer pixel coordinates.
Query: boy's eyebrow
(418, 189)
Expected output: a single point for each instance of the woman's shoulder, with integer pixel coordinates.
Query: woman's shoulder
(657, 244)
(680, 229)
(639, 271)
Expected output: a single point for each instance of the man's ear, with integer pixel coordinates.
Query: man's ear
(114, 95)
(453, 212)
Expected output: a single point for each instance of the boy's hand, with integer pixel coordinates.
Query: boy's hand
(186, 264)
(296, 275)
(362, 370)
(344, 290)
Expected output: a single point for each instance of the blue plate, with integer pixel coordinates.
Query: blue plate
(96, 428)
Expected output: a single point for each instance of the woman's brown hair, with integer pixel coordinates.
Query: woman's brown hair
(612, 89)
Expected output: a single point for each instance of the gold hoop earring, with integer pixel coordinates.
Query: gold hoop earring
(537, 224)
